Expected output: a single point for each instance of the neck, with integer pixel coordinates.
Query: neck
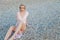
(22, 11)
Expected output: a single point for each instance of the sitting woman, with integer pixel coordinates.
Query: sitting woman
(20, 26)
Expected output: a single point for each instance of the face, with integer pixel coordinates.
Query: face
(22, 8)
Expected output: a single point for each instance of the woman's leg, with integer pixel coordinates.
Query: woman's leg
(12, 28)
(23, 28)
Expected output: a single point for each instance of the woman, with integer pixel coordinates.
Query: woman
(20, 26)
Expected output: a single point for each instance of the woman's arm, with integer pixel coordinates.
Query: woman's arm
(19, 17)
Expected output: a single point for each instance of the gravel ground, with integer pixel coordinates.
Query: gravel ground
(43, 21)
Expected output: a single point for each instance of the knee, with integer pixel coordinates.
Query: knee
(11, 27)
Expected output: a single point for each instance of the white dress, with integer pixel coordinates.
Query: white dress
(19, 20)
